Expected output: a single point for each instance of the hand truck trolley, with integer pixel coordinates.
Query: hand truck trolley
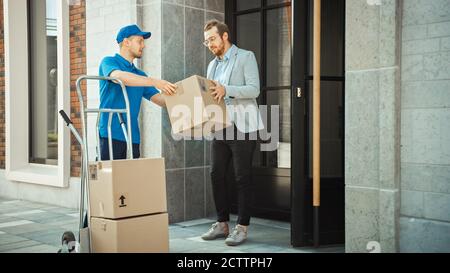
(84, 244)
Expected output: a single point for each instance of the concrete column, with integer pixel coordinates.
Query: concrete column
(174, 52)
(372, 124)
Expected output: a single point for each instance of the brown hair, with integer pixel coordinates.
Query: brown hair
(221, 27)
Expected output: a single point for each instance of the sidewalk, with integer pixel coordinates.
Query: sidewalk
(27, 227)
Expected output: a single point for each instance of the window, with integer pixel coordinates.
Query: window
(43, 98)
(264, 27)
(37, 81)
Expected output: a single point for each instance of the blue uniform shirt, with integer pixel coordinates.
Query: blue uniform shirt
(111, 97)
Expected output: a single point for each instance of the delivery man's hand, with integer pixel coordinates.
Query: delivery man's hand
(219, 91)
(166, 87)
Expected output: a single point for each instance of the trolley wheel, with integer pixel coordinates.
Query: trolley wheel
(66, 239)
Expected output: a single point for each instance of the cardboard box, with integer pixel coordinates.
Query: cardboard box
(193, 110)
(144, 234)
(127, 188)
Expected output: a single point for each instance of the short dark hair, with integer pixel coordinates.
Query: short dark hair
(221, 27)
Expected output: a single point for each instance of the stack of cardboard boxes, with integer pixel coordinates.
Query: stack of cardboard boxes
(128, 202)
(128, 207)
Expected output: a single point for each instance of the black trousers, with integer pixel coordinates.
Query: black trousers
(240, 152)
(119, 150)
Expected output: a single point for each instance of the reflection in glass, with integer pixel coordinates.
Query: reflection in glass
(248, 4)
(249, 33)
(332, 129)
(274, 2)
(282, 157)
(43, 78)
(278, 47)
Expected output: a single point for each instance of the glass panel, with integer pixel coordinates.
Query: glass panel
(332, 129)
(43, 78)
(274, 2)
(249, 34)
(278, 47)
(332, 58)
(282, 157)
(248, 4)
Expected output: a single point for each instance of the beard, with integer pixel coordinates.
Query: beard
(219, 50)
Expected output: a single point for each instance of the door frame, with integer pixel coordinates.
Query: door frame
(299, 62)
(333, 189)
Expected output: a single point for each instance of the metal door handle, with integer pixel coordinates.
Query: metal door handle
(299, 92)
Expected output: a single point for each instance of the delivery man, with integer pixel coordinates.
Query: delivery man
(138, 84)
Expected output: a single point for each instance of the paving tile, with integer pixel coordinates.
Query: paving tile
(6, 225)
(59, 220)
(39, 217)
(195, 223)
(292, 250)
(53, 239)
(62, 210)
(233, 250)
(13, 209)
(49, 237)
(181, 245)
(36, 249)
(25, 228)
(265, 249)
(180, 233)
(23, 213)
(8, 219)
(9, 239)
(70, 227)
(209, 250)
(18, 245)
(8, 202)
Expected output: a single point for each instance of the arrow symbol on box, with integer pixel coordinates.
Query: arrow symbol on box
(122, 201)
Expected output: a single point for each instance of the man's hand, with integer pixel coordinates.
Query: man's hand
(219, 91)
(166, 87)
(159, 100)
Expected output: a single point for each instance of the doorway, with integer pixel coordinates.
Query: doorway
(279, 32)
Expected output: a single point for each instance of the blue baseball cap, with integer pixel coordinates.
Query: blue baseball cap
(131, 30)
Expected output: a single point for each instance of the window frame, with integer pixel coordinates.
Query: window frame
(18, 167)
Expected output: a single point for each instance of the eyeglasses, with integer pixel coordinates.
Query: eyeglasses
(210, 40)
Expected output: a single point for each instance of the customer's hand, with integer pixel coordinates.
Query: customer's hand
(219, 91)
(166, 87)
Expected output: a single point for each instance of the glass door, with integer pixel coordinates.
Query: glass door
(279, 32)
(265, 27)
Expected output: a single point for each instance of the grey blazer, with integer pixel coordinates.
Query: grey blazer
(242, 88)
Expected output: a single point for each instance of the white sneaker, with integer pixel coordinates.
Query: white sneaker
(217, 230)
(237, 237)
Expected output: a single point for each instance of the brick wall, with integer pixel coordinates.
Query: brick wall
(77, 68)
(2, 90)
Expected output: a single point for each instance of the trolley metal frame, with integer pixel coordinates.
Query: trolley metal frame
(84, 244)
